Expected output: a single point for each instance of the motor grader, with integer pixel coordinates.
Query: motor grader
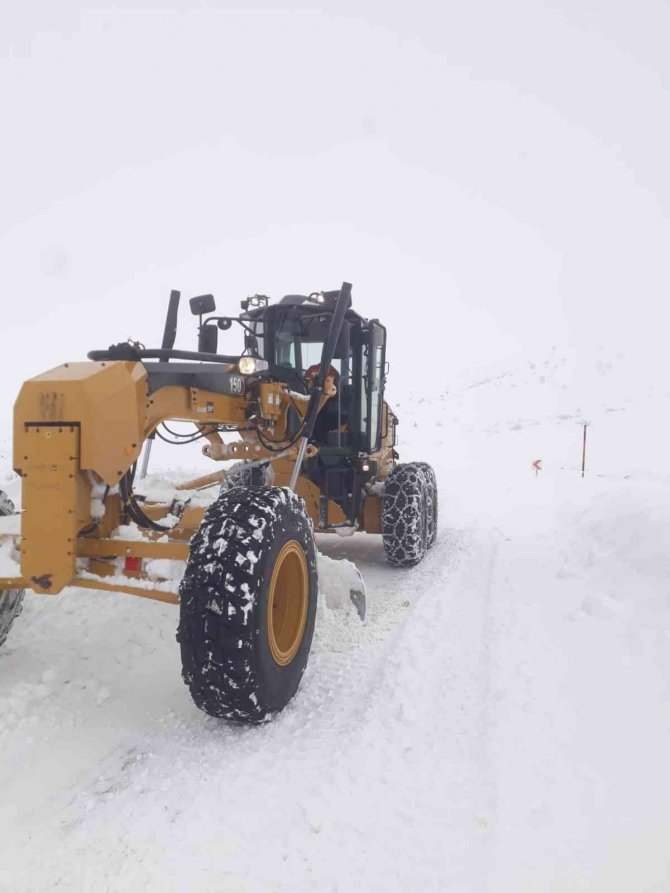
(301, 411)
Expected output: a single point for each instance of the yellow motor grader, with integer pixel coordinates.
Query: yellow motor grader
(302, 410)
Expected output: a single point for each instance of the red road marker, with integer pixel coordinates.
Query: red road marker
(537, 465)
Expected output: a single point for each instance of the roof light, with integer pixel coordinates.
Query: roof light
(255, 301)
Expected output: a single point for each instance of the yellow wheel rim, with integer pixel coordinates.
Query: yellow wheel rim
(287, 603)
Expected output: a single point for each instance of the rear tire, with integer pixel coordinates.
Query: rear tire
(404, 515)
(431, 503)
(248, 604)
(11, 600)
(241, 474)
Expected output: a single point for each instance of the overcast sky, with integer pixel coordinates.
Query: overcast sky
(493, 178)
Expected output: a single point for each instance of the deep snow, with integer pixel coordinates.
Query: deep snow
(500, 722)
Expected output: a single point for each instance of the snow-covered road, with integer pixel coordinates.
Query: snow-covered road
(499, 723)
(115, 776)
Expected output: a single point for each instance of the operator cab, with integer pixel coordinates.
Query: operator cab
(290, 336)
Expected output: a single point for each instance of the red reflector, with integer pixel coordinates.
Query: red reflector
(132, 564)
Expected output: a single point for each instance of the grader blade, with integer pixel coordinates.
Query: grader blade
(358, 596)
(341, 585)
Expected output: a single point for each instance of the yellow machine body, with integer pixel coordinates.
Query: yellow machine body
(82, 426)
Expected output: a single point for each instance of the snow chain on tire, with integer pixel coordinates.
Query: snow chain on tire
(431, 503)
(241, 659)
(11, 600)
(404, 515)
(241, 474)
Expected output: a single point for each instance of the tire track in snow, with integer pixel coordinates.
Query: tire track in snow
(435, 686)
(489, 637)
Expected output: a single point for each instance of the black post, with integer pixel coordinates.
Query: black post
(170, 330)
(341, 306)
(169, 337)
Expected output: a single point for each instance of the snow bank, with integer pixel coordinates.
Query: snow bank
(9, 566)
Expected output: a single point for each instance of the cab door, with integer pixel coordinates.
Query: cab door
(372, 387)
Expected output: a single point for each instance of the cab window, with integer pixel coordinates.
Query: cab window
(372, 383)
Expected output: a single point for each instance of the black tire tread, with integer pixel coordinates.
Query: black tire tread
(220, 596)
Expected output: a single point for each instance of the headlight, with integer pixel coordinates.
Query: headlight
(250, 365)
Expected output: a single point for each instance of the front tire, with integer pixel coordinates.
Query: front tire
(11, 600)
(248, 604)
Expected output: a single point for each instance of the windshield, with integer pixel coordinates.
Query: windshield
(299, 341)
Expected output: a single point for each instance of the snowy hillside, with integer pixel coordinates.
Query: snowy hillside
(500, 722)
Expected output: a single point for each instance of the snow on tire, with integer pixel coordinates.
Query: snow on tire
(11, 600)
(431, 502)
(248, 604)
(404, 515)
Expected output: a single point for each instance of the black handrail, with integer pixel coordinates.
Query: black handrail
(128, 352)
(342, 304)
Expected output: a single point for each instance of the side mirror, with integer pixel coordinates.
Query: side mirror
(202, 304)
(208, 339)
